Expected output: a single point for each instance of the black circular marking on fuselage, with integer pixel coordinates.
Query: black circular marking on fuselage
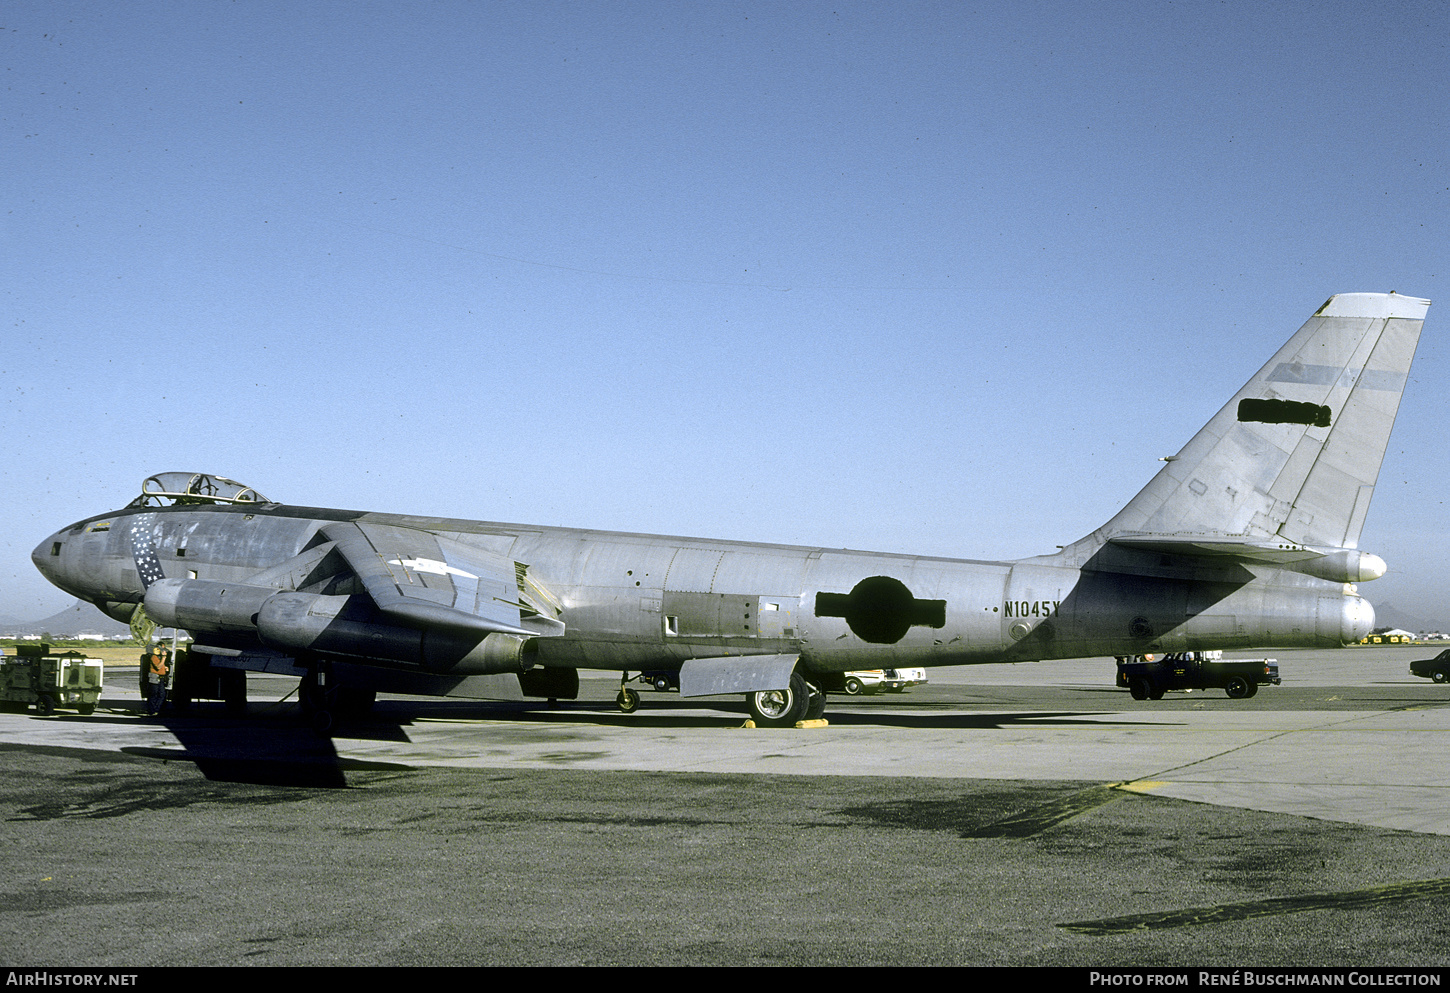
(881, 610)
(878, 610)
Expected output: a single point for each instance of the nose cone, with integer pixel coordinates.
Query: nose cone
(47, 557)
(57, 558)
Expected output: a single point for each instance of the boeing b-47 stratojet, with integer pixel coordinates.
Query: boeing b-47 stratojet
(1247, 538)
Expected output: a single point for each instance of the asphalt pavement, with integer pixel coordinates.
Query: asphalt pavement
(1000, 815)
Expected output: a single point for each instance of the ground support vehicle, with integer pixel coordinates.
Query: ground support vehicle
(899, 680)
(35, 675)
(853, 683)
(1148, 678)
(1437, 668)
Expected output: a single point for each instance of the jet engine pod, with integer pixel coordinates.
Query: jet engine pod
(881, 610)
(204, 605)
(350, 625)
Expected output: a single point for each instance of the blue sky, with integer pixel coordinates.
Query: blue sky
(936, 278)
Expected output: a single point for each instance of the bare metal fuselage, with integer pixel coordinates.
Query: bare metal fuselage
(1247, 538)
(631, 601)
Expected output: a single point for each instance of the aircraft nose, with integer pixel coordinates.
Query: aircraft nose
(48, 557)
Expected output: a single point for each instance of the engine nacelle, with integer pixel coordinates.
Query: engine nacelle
(331, 625)
(350, 625)
(1345, 565)
(205, 605)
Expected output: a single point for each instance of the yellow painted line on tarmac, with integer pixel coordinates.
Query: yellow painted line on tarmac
(1141, 785)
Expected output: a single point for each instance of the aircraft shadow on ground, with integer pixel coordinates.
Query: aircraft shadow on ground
(664, 715)
(270, 746)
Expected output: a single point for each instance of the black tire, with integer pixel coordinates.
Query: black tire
(1441, 675)
(854, 687)
(86, 709)
(1237, 688)
(780, 708)
(234, 692)
(317, 694)
(815, 702)
(351, 701)
(628, 700)
(661, 683)
(322, 723)
(1139, 687)
(44, 705)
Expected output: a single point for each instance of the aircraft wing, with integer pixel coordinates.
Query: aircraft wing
(427, 580)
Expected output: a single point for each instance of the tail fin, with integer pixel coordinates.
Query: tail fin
(1293, 457)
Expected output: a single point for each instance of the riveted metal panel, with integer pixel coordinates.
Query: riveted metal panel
(711, 615)
(692, 570)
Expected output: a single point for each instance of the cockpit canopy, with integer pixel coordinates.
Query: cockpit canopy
(168, 489)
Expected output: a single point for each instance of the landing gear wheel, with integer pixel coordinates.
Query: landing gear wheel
(1237, 688)
(318, 697)
(234, 692)
(815, 702)
(779, 708)
(355, 702)
(628, 700)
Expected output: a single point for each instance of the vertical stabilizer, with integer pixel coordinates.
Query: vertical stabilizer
(1296, 452)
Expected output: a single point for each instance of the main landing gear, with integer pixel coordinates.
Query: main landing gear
(324, 701)
(802, 700)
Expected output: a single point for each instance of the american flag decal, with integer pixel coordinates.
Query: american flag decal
(148, 566)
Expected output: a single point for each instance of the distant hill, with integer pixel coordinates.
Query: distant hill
(1386, 616)
(79, 618)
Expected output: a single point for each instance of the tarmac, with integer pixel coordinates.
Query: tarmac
(1030, 814)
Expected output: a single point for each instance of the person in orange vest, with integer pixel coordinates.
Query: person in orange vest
(156, 672)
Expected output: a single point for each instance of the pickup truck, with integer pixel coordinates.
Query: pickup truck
(1148, 678)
